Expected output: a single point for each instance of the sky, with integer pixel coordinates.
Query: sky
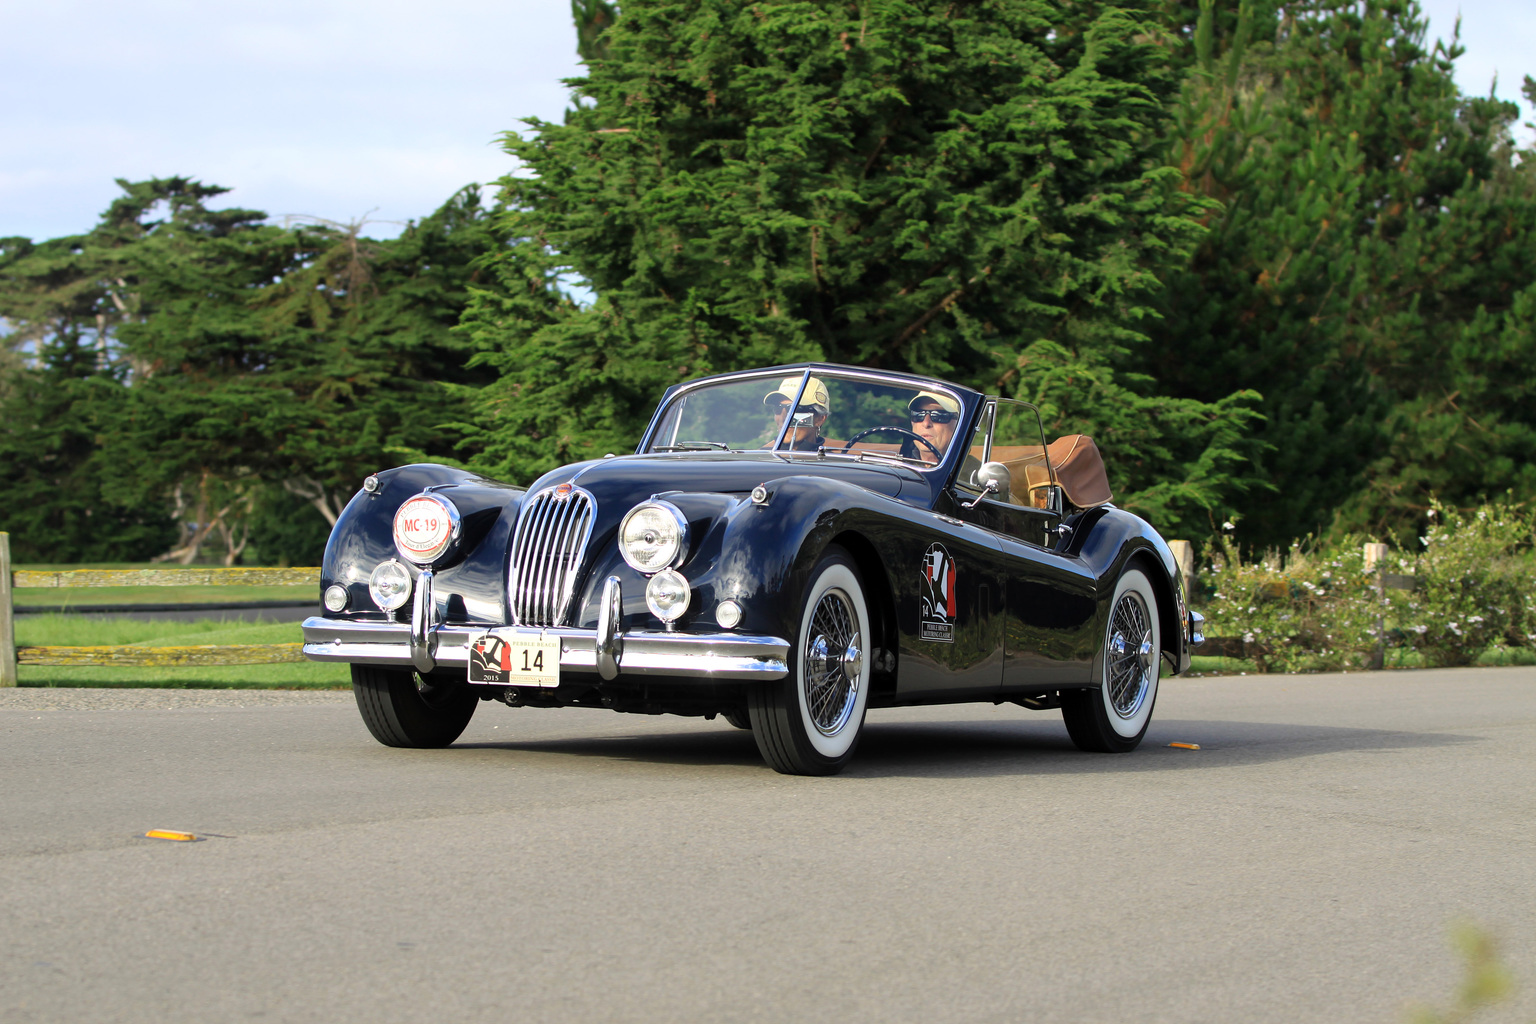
(348, 109)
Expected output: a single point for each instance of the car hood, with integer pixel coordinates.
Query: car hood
(626, 480)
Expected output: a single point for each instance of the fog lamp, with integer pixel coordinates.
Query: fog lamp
(390, 585)
(667, 595)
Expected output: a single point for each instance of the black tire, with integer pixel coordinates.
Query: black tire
(403, 709)
(1112, 718)
(741, 719)
(814, 728)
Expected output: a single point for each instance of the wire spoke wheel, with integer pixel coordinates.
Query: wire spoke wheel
(830, 690)
(1129, 649)
(1113, 716)
(809, 722)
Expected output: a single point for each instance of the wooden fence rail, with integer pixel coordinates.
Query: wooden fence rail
(132, 655)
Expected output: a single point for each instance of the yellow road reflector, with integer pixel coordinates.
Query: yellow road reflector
(171, 834)
(1186, 746)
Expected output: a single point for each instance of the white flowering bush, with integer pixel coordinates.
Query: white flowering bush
(1475, 582)
(1312, 608)
(1316, 607)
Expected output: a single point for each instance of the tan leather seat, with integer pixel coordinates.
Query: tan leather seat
(1076, 461)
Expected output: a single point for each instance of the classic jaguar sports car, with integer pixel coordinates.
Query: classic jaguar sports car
(786, 548)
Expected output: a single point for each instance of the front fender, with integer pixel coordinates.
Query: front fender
(471, 587)
(1106, 539)
(760, 556)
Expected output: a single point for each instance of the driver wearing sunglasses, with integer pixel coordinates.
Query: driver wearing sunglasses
(935, 418)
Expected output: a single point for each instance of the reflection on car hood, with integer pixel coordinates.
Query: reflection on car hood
(624, 478)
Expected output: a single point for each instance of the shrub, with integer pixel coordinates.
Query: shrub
(1474, 576)
(1313, 608)
(1316, 607)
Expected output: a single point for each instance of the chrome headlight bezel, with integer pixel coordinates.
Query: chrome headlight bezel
(668, 584)
(394, 599)
(443, 542)
(671, 517)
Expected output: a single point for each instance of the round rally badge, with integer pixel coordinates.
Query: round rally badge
(424, 527)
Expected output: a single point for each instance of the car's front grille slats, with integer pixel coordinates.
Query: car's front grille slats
(547, 550)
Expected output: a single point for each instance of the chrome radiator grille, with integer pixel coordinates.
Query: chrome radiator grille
(551, 538)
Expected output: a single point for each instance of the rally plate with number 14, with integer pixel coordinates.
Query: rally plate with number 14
(514, 661)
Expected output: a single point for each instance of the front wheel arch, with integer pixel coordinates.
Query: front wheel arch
(880, 597)
(1167, 606)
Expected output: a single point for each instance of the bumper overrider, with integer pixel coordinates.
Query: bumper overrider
(608, 650)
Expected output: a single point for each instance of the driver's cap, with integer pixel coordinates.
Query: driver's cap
(815, 394)
(943, 401)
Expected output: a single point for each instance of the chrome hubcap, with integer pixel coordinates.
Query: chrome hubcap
(1131, 656)
(834, 663)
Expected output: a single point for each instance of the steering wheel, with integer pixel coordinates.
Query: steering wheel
(938, 456)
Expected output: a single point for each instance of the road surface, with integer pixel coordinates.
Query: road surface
(557, 865)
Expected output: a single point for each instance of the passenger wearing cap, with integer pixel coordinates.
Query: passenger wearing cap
(935, 418)
(804, 434)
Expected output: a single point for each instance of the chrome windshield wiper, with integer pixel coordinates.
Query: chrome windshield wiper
(693, 446)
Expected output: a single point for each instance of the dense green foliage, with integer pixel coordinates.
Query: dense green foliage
(1367, 273)
(231, 373)
(963, 189)
(1319, 606)
(1267, 254)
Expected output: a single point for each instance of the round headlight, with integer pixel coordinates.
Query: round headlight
(667, 594)
(335, 597)
(390, 585)
(425, 528)
(653, 536)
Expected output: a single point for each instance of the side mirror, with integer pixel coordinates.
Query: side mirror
(995, 473)
(993, 478)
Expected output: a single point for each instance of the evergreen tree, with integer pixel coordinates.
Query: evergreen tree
(227, 371)
(962, 189)
(1362, 230)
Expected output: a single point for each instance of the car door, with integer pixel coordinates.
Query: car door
(1048, 595)
(949, 605)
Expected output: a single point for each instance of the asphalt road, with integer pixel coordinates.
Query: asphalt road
(1303, 865)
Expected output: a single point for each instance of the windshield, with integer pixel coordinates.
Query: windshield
(858, 417)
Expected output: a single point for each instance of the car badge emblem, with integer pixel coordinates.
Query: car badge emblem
(563, 492)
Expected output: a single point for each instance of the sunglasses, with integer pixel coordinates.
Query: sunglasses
(783, 407)
(934, 415)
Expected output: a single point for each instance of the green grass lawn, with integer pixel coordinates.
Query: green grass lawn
(68, 597)
(74, 631)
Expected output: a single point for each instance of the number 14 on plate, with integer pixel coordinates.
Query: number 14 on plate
(515, 661)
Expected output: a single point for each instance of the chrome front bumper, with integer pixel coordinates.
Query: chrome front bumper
(641, 653)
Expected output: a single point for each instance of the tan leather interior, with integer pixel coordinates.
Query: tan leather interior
(1075, 458)
(1080, 470)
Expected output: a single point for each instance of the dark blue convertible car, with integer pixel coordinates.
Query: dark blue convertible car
(786, 548)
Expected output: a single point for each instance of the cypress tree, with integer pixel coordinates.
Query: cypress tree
(962, 189)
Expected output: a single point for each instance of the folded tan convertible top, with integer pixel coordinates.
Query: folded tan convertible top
(1079, 470)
